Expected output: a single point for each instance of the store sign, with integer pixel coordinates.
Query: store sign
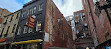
(46, 37)
(31, 22)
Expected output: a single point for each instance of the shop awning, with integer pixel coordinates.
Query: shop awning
(28, 42)
(2, 40)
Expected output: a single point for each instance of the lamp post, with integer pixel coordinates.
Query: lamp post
(105, 7)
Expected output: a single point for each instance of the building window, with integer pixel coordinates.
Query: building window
(107, 35)
(28, 12)
(84, 2)
(38, 26)
(25, 29)
(7, 31)
(2, 32)
(58, 20)
(13, 28)
(63, 37)
(30, 30)
(11, 18)
(40, 7)
(94, 1)
(19, 30)
(59, 32)
(83, 18)
(5, 22)
(23, 14)
(73, 29)
(17, 15)
(34, 9)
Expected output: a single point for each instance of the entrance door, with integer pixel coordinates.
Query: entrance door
(1, 47)
(33, 46)
(7, 46)
(25, 46)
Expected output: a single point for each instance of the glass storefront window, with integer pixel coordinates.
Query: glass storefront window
(33, 46)
(27, 46)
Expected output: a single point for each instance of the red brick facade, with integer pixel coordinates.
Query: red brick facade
(82, 32)
(99, 25)
(3, 12)
(60, 32)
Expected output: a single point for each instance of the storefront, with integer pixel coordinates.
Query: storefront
(30, 44)
(3, 44)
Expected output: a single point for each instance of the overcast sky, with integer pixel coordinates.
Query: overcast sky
(67, 7)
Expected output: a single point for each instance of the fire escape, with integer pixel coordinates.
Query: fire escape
(82, 33)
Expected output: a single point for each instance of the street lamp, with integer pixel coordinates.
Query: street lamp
(105, 7)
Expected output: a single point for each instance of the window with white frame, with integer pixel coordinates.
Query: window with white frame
(25, 30)
(38, 26)
(13, 28)
(30, 30)
(2, 32)
(84, 2)
(34, 9)
(19, 30)
(28, 12)
(40, 7)
(58, 20)
(23, 14)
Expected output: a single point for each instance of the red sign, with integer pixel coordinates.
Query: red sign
(2, 40)
(31, 22)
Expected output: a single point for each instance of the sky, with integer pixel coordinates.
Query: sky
(67, 7)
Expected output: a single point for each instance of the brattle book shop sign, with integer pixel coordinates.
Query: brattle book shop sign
(46, 37)
(108, 47)
(31, 21)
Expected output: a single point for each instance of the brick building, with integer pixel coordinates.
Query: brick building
(4, 12)
(70, 20)
(99, 23)
(9, 26)
(83, 39)
(42, 26)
